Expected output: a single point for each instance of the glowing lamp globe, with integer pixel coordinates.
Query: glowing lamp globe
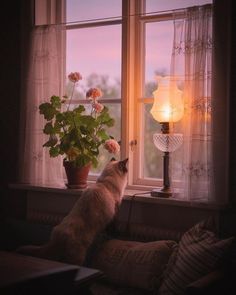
(168, 104)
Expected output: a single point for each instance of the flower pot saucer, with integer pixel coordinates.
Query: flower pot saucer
(76, 186)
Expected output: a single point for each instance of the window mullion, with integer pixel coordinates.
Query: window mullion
(139, 78)
(128, 82)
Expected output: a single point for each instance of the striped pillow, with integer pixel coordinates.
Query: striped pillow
(199, 252)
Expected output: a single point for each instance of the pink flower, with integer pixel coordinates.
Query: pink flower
(74, 77)
(112, 146)
(98, 107)
(94, 93)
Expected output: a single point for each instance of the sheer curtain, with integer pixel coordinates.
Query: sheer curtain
(42, 80)
(192, 64)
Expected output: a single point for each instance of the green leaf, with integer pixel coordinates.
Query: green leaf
(82, 160)
(65, 143)
(55, 101)
(48, 128)
(73, 135)
(88, 120)
(84, 130)
(47, 110)
(59, 117)
(102, 134)
(105, 119)
(57, 127)
(51, 142)
(110, 122)
(54, 151)
(79, 109)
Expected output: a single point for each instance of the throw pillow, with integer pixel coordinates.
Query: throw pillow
(199, 252)
(132, 263)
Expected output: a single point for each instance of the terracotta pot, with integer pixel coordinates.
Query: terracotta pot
(76, 176)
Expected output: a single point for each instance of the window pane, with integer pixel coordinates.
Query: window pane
(91, 52)
(159, 41)
(80, 10)
(162, 5)
(152, 157)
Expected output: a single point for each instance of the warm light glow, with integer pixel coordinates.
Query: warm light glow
(168, 104)
(166, 113)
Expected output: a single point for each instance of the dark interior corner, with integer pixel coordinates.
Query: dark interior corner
(17, 231)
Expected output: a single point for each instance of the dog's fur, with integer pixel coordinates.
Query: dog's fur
(94, 210)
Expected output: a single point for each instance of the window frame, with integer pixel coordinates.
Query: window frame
(131, 76)
(134, 45)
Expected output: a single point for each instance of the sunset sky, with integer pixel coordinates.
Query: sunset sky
(99, 49)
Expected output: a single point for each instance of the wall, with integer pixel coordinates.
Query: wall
(10, 51)
(138, 218)
(232, 130)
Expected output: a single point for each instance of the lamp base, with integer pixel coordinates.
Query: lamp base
(161, 193)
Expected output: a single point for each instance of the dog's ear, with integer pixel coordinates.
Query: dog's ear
(122, 165)
(113, 159)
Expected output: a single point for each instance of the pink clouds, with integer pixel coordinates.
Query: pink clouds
(95, 50)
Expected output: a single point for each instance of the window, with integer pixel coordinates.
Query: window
(124, 62)
(121, 48)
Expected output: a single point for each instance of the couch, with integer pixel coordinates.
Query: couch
(141, 259)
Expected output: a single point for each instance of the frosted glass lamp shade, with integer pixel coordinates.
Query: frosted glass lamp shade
(168, 104)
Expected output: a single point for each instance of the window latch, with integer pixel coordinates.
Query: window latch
(133, 143)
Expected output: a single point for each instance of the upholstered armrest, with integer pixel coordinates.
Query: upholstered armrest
(212, 283)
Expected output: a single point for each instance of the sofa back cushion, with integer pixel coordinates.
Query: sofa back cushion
(132, 263)
(199, 252)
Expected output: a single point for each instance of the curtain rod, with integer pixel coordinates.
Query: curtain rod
(119, 18)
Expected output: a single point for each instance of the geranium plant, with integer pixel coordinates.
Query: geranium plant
(74, 133)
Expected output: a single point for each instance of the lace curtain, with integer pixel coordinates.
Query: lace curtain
(43, 79)
(192, 64)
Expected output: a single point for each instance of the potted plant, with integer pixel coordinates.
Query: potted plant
(77, 134)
